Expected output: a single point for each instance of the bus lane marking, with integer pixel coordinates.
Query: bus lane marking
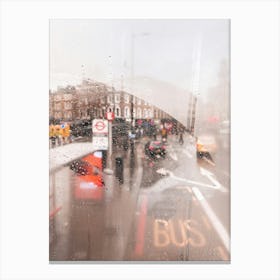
(206, 223)
(218, 226)
(165, 233)
(222, 253)
(138, 250)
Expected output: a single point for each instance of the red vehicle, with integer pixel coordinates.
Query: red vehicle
(155, 149)
(89, 181)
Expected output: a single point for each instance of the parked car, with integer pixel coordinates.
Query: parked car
(81, 128)
(206, 146)
(155, 149)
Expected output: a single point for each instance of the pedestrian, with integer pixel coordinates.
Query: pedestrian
(164, 133)
(141, 131)
(181, 139)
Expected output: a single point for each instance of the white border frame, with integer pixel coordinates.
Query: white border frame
(255, 138)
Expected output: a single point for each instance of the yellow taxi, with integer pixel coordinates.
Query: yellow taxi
(206, 146)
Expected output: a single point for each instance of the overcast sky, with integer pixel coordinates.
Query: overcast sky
(159, 50)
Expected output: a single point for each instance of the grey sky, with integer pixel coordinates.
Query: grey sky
(163, 51)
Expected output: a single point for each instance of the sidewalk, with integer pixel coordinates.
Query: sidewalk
(62, 155)
(121, 200)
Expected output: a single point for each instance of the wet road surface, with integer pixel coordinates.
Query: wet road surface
(172, 209)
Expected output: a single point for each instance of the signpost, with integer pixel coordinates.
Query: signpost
(99, 126)
(110, 116)
(102, 137)
(100, 134)
(100, 143)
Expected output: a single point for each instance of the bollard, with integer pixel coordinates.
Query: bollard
(119, 169)
(53, 140)
(104, 159)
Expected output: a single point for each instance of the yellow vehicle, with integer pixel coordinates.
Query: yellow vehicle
(205, 146)
(65, 130)
(51, 131)
(59, 133)
(58, 130)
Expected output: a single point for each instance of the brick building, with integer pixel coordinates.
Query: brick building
(91, 100)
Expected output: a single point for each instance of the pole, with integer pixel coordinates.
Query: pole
(195, 81)
(110, 140)
(109, 169)
(133, 37)
(132, 79)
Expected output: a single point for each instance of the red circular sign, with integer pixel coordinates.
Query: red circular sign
(99, 125)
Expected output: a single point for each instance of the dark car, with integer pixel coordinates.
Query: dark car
(155, 149)
(81, 128)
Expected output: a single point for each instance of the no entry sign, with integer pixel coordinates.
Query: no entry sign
(100, 126)
(110, 116)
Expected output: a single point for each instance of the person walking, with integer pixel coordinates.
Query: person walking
(181, 138)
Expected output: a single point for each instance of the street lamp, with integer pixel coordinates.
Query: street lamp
(195, 84)
(133, 36)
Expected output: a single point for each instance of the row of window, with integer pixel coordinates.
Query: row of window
(59, 97)
(68, 105)
(126, 99)
(146, 113)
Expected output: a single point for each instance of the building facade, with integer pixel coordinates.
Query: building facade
(91, 100)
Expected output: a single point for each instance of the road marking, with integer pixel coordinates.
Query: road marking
(138, 250)
(209, 161)
(210, 176)
(222, 253)
(163, 233)
(172, 154)
(197, 183)
(206, 223)
(178, 233)
(162, 171)
(186, 152)
(212, 217)
(54, 212)
(217, 186)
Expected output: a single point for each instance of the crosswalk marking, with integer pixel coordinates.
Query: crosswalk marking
(186, 152)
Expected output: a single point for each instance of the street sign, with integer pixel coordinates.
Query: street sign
(100, 126)
(100, 143)
(110, 116)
